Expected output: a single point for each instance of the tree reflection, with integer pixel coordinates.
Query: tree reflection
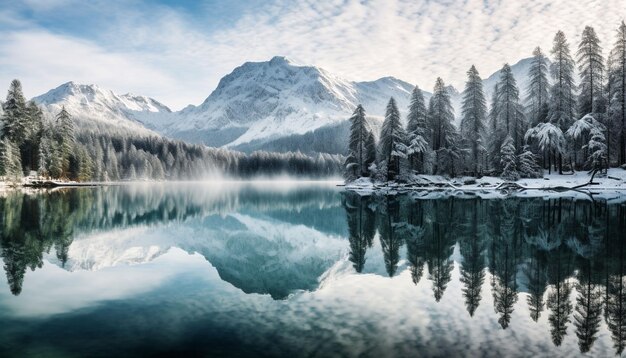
(568, 257)
(390, 239)
(439, 247)
(505, 252)
(32, 226)
(472, 249)
(361, 228)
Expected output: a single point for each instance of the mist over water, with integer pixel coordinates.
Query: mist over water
(304, 269)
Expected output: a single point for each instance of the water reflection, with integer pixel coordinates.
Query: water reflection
(544, 248)
(563, 259)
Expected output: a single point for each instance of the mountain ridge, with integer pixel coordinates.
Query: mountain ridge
(255, 105)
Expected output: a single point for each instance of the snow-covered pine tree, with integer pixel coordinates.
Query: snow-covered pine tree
(591, 67)
(597, 149)
(537, 95)
(65, 138)
(392, 141)
(562, 109)
(10, 163)
(579, 134)
(510, 115)
(15, 117)
(358, 136)
(29, 149)
(508, 160)
(370, 151)
(473, 118)
(617, 89)
(506, 117)
(440, 119)
(550, 141)
(351, 165)
(528, 167)
(494, 131)
(417, 131)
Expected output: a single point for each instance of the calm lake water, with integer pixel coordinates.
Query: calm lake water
(304, 270)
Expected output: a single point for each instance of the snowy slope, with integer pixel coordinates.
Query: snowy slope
(260, 101)
(95, 108)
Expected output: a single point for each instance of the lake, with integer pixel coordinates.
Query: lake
(306, 270)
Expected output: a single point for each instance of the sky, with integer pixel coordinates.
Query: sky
(177, 51)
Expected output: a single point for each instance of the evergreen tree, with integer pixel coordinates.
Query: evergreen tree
(509, 160)
(358, 138)
(510, 116)
(617, 89)
(370, 151)
(29, 150)
(537, 95)
(597, 150)
(10, 163)
(440, 122)
(392, 141)
(550, 141)
(591, 67)
(562, 109)
(495, 131)
(528, 167)
(417, 131)
(15, 117)
(65, 138)
(473, 118)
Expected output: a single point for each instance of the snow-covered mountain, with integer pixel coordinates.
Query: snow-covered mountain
(101, 109)
(262, 101)
(276, 105)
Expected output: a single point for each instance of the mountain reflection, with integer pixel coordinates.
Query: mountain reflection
(563, 258)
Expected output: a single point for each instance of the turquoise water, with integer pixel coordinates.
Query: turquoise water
(305, 270)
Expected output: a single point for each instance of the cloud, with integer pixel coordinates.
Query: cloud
(179, 54)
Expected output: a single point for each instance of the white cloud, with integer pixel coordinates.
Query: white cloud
(170, 55)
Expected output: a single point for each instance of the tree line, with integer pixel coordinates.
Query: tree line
(58, 149)
(556, 125)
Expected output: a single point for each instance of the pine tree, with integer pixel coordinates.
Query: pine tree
(509, 160)
(10, 163)
(510, 114)
(597, 149)
(550, 141)
(506, 117)
(474, 116)
(65, 138)
(495, 131)
(392, 141)
(528, 167)
(370, 151)
(358, 137)
(617, 91)
(440, 119)
(15, 115)
(417, 131)
(537, 95)
(562, 109)
(591, 67)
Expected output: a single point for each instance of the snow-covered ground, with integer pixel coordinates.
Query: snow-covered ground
(610, 186)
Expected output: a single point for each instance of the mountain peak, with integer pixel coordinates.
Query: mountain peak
(281, 60)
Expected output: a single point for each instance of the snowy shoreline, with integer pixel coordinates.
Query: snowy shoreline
(609, 186)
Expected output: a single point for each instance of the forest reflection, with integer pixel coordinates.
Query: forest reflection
(548, 249)
(566, 258)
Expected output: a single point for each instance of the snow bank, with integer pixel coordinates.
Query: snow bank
(611, 186)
